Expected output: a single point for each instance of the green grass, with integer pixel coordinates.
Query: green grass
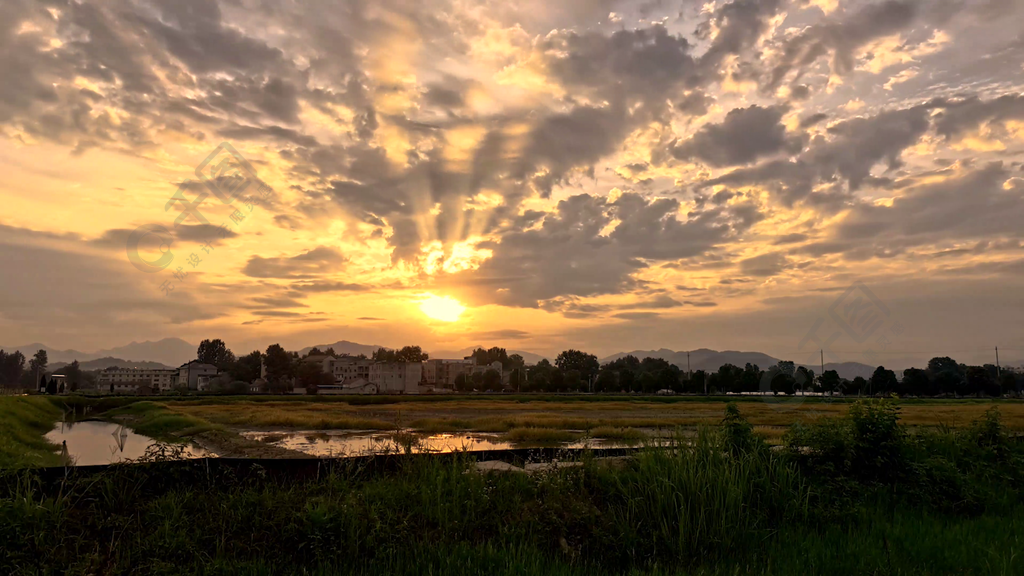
(157, 421)
(23, 423)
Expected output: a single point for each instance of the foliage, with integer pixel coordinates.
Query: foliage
(23, 422)
(12, 366)
(406, 354)
(216, 353)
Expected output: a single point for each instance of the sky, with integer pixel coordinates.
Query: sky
(785, 176)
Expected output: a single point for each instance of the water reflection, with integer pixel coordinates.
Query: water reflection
(335, 444)
(92, 442)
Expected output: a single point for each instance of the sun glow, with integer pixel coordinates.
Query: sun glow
(446, 309)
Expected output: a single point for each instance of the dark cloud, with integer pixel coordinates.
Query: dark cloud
(969, 115)
(570, 255)
(318, 286)
(745, 135)
(117, 238)
(764, 265)
(971, 205)
(636, 315)
(316, 262)
(841, 37)
(193, 31)
(645, 63)
(739, 25)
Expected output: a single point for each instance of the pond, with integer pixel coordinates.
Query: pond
(335, 444)
(93, 442)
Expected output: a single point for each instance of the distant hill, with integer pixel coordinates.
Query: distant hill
(712, 360)
(528, 357)
(343, 347)
(107, 362)
(168, 351)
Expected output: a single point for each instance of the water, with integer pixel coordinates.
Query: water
(92, 442)
(341, 443)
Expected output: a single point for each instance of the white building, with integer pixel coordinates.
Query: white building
(128, 380)
(442, 373)
(349, 369)
(195, 375)
(397, 377)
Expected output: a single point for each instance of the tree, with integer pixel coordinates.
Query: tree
(980, 381)
(216, 353)
(279, 366)
(787, 367)
(74, 375)
(727, 379)
(37, 365)
(882, 381)
(492, 380)
(804, 379)
(406, 354)
(311, 376)
(586, 364)
(314, 351)
(946, 374)
(858, 385)
(12, 366)
(917, 383)
(607, 380)
(247, 368)
(462, 383)
(51, 386)
(829, 381)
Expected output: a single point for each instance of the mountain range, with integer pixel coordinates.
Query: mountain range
(107, 362)
(168, 351)
(712, 360)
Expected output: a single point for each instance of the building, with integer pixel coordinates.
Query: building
(442, 373)
(128, 380)
(396, 377)
(195, 375)
(349, 369)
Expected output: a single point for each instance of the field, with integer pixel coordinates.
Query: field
(856, 494)
(214, 421)
(599, 417)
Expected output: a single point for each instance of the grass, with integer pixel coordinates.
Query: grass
(631, 435)
(717, 504)
(25, 421)
(539, 436)
(158, 421)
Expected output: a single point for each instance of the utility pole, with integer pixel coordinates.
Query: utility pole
(822, 361)
(998, 369)
(688, 371)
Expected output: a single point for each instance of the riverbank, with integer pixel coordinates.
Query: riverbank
(853, 495)
(24, 421)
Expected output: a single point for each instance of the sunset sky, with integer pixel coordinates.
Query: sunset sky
(538, 175)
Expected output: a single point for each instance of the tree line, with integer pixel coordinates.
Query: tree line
(572, 371)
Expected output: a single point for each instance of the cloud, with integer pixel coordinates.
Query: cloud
(764, 265)
(117, 238)
(571, 255)
(745, 135)
(319, 261)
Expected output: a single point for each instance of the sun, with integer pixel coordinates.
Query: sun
(446, 309)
